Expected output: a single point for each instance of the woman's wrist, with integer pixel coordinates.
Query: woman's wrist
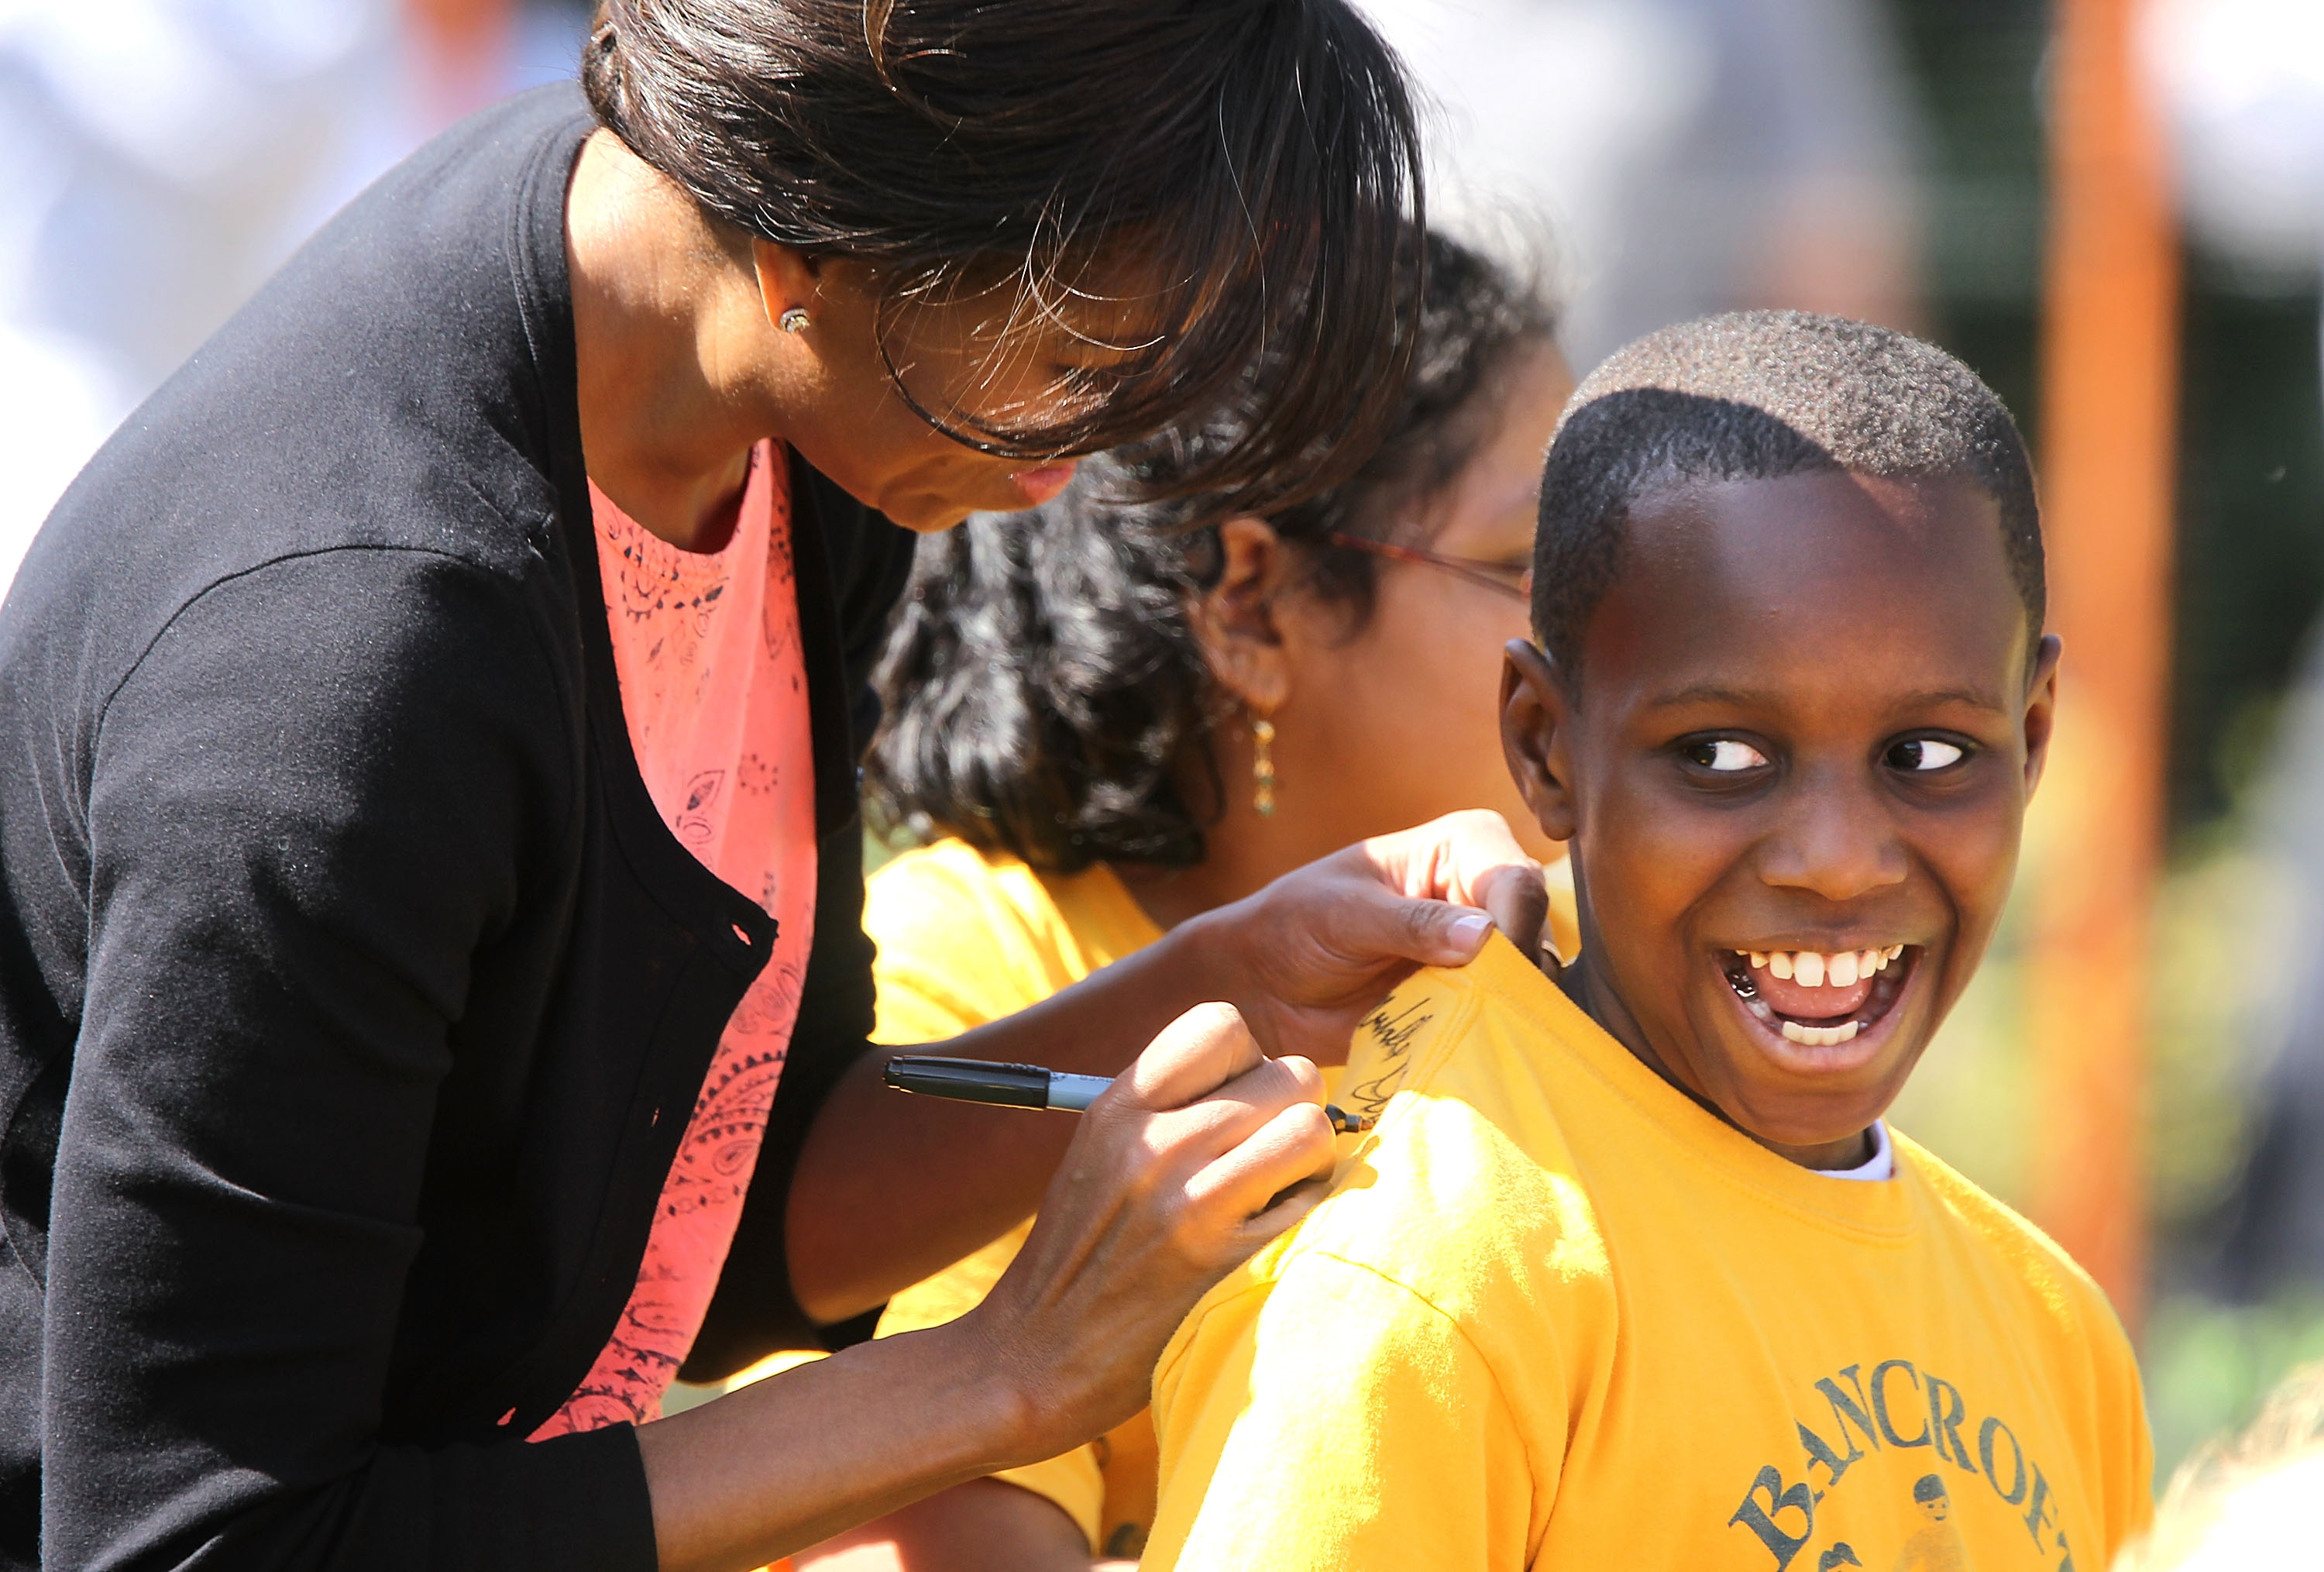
(793, 1459)
(1005, 1405)
(1206, 955)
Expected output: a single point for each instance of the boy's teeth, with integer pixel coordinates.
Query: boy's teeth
(1814, 970)
(1820, 1036)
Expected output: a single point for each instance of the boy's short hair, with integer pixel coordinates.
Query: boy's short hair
(1757, 395)
(1929, 1487)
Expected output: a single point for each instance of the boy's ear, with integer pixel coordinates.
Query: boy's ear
(1235, 622)
(2040, 708)
(1537, 733)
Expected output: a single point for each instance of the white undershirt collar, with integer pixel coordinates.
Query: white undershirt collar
(1880, 1165)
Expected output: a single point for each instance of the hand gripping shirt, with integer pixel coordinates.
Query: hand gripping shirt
(1556, 1314)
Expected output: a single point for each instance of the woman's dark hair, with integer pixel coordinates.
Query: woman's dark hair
(1256, 160)
(1042, 682)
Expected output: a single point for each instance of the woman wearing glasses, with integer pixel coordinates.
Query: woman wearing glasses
(433, 1007)
(1112, 716)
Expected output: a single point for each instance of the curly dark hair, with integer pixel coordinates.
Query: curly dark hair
(1043, 683)
(1257, 158)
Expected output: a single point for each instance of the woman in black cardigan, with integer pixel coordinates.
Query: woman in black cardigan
(353, 990)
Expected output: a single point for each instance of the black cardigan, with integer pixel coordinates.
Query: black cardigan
(353, 995)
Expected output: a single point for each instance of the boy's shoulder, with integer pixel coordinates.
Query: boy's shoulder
(2064, 1326)
(2057, 1288)
(1495, 1034)
(1465, 1190)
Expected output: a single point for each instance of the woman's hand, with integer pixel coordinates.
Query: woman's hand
(890, 1190)
(1307, 956)
(1201, 1152)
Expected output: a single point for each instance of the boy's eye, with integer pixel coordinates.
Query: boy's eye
(1922, 754)
(1725, 755)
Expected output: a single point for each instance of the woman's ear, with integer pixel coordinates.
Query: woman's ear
(786, 280)
(1536, 732)
(1234, 622)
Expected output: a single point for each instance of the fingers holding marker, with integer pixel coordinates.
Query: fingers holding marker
(1235, 1110)
(1229, 1131)
(1221, 1144)
(1198, 1154)
(1193, 1056)
(1265, 1182)
(1205, 1087)
(1270, 1109)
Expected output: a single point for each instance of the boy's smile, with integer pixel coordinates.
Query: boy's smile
(1817, 1000)
(1792, 766)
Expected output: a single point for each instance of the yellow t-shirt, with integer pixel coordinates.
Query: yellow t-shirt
(1556, 1314)
(967, 937)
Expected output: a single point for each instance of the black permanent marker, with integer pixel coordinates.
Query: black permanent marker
(1025, 1086)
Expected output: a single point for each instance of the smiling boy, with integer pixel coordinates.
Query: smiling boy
(1631, 1271)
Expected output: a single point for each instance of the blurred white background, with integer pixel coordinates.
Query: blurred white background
(160, 158)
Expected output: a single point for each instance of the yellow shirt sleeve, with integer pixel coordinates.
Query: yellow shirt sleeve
(965, 937)
(953, 952)
(1338, 1421)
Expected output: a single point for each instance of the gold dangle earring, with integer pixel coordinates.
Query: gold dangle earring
(1262, 765)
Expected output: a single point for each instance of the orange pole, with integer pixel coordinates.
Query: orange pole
(460, 45)
(2109, 411)
(463, 27)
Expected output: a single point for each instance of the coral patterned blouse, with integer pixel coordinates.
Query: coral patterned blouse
(714, 687)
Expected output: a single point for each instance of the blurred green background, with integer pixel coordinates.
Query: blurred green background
(2250, 581)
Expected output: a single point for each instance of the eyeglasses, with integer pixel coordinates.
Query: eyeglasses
(1507, 577)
